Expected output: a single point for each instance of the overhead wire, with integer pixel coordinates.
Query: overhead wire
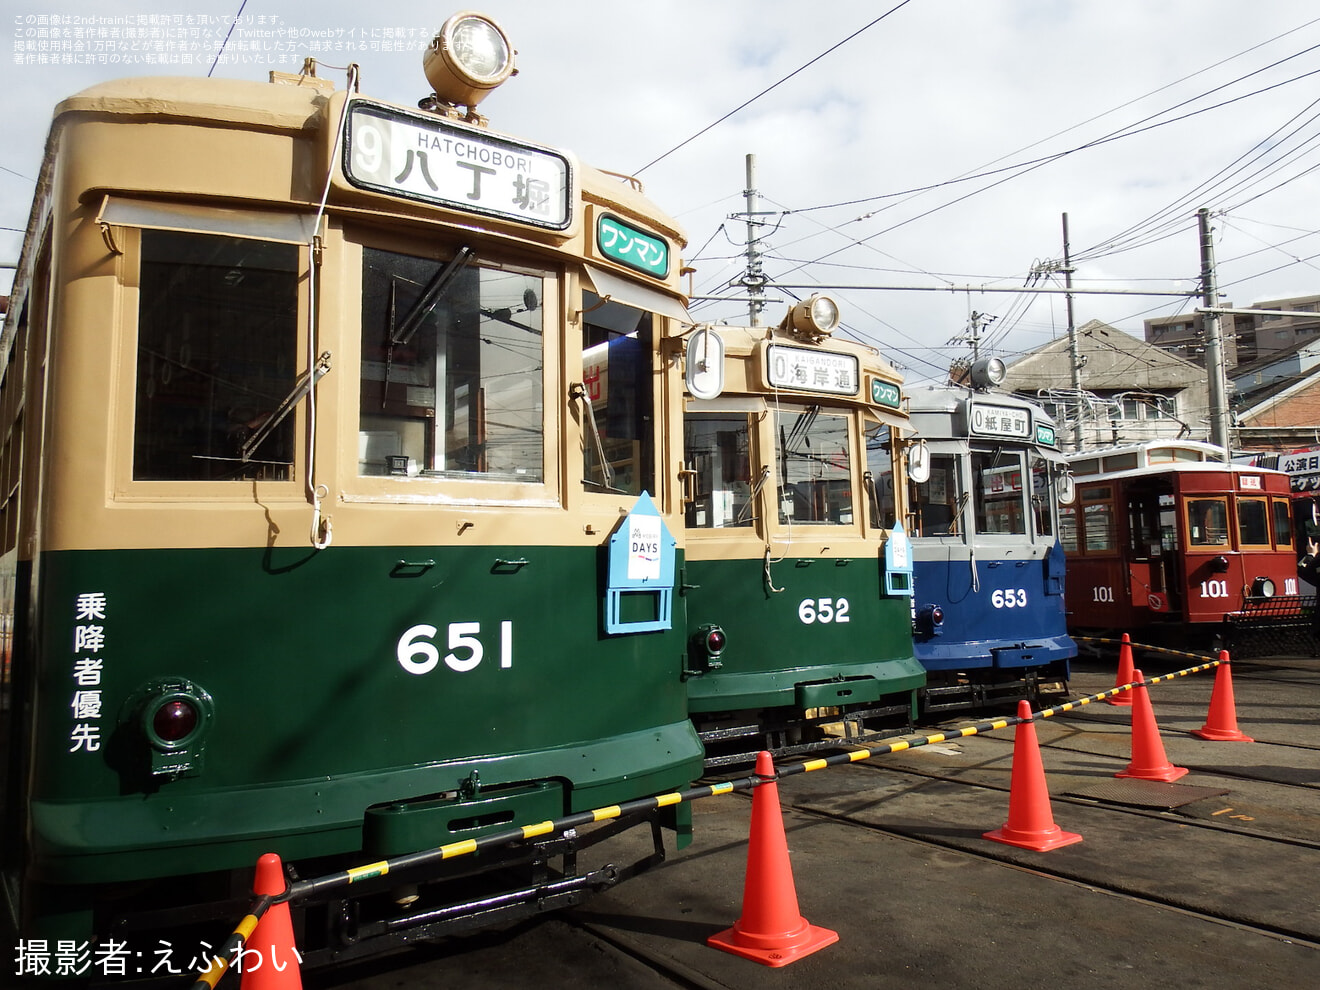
(1151, 234)
(743, 106)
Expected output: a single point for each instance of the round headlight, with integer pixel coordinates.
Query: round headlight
(480, 48)
(815, 317)
(468, 58)
(824, 313)
(1262, 587)
(988, 372)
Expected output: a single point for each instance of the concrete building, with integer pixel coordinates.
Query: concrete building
(1247, 337)
(1131, 390)
(1276, 400)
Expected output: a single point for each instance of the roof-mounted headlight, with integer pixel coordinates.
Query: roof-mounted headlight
(815, 317)
(469, 57)
(988, 372)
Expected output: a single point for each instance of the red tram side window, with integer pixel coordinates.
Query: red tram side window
(1282, 510)
(1207, 523)
(1099, 526)
(1253, 522)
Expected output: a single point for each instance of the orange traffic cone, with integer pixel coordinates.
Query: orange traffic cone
(1123, 698)
(1030, 823)
(770, 931)
(1148, 759)
(1221, 722)
(269, 960)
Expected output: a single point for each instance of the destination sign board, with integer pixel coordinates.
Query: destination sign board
(811, 371)
(421, 157)
(987, 419)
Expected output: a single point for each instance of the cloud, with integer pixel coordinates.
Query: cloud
(928, 94)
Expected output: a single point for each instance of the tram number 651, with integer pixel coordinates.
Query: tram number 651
(823, 610)
(417, 654)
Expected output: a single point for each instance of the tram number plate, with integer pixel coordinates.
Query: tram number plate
(1009, 598)
(418, 654)
(823, 610)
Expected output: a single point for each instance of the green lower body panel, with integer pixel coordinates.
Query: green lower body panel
(117, 839)
(814, 687)
(328, 684)
(813, 633)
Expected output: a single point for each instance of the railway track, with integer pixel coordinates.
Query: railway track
(1205, 881)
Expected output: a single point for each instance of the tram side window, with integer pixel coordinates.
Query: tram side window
(1207, 522)
(999, 494)
(1253, 522)
(452, 369)
(1098, 521)
(716, 447)
(880, 487)
(1168, 523)
(937, 503)
(619, 454)
(1043, 497)
(1283, 535)
(1068, 528)
(216, 356)
(814, 470)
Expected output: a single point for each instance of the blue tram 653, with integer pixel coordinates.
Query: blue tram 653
(988, 612)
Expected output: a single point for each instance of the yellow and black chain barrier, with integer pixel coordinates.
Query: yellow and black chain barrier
(304, 888)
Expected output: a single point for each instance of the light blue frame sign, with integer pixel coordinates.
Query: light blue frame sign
(641, 562)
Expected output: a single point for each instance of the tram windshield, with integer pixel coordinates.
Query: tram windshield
(937, 503)
(998, 492)
(452, 369)
(716, 448)
(813, 466)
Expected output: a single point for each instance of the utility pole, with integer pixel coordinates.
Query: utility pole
(1216, 380)
(1074, 352)
(754, 278)
(976, 321)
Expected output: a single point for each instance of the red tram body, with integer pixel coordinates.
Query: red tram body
(1167, 542)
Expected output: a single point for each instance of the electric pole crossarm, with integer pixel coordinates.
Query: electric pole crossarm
(1017, 289)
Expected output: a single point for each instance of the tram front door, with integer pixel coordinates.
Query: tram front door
(1152, 539)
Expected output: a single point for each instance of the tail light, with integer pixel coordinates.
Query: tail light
(930, 620)
(174, 717)
(704, 650)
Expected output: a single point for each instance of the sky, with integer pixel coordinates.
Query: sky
(909, 154)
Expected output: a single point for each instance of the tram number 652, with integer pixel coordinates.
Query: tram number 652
(823, 610)
(417, 654)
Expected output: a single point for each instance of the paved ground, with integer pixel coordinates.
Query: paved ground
(1205, 882)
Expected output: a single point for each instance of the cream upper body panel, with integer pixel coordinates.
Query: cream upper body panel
(256, 151)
